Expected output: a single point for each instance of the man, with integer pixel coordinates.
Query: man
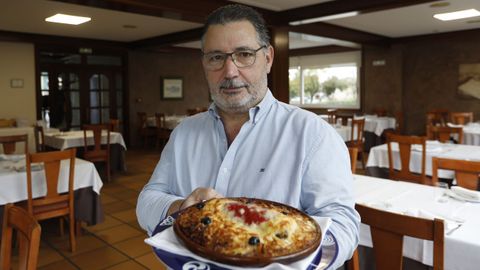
(248, 143)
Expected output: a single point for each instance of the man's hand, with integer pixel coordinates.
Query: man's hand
(198, 195)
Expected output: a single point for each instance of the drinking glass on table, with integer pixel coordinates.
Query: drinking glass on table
(441, 189)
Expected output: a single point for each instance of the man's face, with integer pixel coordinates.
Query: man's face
(233, 89)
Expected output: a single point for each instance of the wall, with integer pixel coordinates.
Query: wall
(17, 61)
(423, 75)
(145, 72)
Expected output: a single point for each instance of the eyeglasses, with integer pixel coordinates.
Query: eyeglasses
(241, 58)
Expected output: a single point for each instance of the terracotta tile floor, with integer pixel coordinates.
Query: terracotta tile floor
(117, 243)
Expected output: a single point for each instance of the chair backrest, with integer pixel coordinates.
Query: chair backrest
(142, 120)
(97, 130)
(114, 125)
(9, 143)
(28, 235)
(332, 116)
(39, 138)
(356, 134)
(51, 164)
(353, 158)
(405, 143)
(467, 172)
(438, 117)
(387, 231)
(443, 134)
(461, 118)
(380, 112)
(160, 120)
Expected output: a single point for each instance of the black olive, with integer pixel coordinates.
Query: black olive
(285, 213)
(206, 220)
(200, 205)
(253, 241)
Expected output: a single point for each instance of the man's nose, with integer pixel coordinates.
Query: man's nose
(231, 70)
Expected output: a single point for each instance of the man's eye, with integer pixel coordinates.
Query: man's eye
(244, 54)
(216, 57)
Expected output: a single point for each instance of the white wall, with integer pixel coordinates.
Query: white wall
(17, 61)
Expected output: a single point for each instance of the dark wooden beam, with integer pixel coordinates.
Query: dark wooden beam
(168, 39)
(60, 40)
(185, 10)
(342, 33)
(320, 50)
(343, 6)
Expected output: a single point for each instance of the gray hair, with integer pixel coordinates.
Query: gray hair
(235, 13)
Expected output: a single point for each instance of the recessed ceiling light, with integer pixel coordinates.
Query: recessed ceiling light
(457, 15)
(67, 19)
(441, 4)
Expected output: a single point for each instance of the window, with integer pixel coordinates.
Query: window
(325, 81)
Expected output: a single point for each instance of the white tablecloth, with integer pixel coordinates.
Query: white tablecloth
(14, 184)
(378, 124)
(471, 134)
(462, 246)
(70, 139)
(20, 131)
(378, 156)
(171, 121)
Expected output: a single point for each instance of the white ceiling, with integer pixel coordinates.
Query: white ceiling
(28, 16)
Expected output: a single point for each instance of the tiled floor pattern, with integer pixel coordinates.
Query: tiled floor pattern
(117, 243)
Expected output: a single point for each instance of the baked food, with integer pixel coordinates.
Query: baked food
(244, 231)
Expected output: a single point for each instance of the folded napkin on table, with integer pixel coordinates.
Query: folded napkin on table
(449, 223)
(431, 146)
(167, 241)
(453, 125)
(12, 157)
(468, 194)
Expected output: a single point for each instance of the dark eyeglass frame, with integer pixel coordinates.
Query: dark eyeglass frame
(234, 58)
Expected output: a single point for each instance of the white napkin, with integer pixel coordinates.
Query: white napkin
(167, 240)
(468, 194)
(449, 224)
(12, 157)
(453, 125)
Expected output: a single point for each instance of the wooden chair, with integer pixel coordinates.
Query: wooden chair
(9, 143)
(114, 125)
(443, 134)
(437, 117)
(387, 231)
(143, 130)
(398, 122)
(163, 134)
(380, 112)
(99, 152)
(332, 116)
(28, 236)
(39, 138)
(356, 138)
(353, 158)
(461, 118)
(53, 204)
(467, 173)
(405, 146)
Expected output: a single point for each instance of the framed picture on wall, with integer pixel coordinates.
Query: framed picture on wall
(172, 88)
(469, 80)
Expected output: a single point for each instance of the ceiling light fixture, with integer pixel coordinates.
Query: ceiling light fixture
(457, 15)
(326, 18)
(67, 19)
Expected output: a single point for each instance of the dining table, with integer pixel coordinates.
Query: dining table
(87, 185)
(75, 139)
(461, 219)
(378, 156)
(171, 121)
(9, 131)
(471, 133)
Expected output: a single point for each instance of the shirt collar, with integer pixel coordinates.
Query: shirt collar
(255, 113)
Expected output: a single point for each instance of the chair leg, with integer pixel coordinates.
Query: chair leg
(108, 171)
(62, 230)
(73, 242)
(353, 263)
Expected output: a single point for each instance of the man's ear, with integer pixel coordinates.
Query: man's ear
(269, 57)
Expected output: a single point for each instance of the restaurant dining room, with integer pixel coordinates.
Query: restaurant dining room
(96, 95)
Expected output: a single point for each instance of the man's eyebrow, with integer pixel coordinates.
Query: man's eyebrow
(241, 48)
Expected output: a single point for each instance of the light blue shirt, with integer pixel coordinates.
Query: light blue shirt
(282, 153)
